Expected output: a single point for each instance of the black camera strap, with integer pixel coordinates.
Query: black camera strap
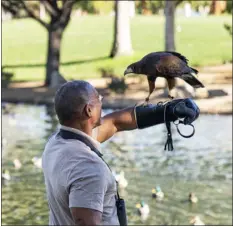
(65, 134)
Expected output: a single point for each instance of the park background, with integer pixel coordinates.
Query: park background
(96, 41)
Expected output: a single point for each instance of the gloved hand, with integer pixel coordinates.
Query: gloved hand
(150, 115)
(185, 108)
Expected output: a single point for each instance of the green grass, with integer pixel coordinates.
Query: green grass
(24, 43)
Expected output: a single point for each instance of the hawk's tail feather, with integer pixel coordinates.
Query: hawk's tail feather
(192, 80)
(195, 70)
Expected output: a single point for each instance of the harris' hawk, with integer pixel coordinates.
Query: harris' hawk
(165, 64)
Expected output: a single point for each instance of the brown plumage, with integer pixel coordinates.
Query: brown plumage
(165, 64)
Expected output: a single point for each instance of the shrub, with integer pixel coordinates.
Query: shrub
(6, 78)
(116, 84)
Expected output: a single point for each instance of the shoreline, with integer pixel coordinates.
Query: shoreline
(215, 98)
(216, 105)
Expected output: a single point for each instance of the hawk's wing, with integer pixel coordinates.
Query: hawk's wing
(183, 58)
(171, 66)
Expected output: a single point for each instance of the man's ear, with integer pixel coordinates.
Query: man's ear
(88, 110)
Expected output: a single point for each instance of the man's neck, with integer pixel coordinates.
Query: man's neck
(82, 127)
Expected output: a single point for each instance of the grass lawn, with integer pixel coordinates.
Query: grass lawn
(87, 42)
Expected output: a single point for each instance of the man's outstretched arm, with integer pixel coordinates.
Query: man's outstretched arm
(143, 117)
(117, 121)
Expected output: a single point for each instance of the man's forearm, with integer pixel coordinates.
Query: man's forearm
(124, 119)
(116, 121)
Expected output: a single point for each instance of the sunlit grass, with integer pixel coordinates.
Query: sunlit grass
(24, 42)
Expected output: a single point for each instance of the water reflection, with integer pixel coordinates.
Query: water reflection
(202, 164)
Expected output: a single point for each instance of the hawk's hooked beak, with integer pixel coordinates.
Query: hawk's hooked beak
(127, 71)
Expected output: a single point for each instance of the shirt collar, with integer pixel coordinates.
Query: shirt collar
(77, 131)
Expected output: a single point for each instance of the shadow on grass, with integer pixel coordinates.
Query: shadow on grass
(61, 64)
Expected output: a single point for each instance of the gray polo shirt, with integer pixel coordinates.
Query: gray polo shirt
(75, 176)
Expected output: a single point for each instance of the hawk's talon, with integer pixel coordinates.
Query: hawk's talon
(171, 97)
(146, 103)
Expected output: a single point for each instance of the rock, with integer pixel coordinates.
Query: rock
(217, 93)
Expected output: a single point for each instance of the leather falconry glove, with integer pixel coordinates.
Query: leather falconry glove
(150, 115)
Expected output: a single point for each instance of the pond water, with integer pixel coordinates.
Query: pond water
(201, 164)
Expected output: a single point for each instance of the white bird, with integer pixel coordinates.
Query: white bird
(157, 193)
(17, 164)
(143, 210)
(37, 162)
(6, 175)
(196, 221)
(192, 198)
(120, 178)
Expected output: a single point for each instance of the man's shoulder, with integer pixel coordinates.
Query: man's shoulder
(72, 149)
(70, 157)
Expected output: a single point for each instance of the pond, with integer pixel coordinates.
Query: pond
(201, 164)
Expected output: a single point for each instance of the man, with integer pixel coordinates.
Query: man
(81, 189)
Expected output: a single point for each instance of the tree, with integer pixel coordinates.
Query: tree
(169, 25)
(122, 38)
(59, 14)
(169, 11)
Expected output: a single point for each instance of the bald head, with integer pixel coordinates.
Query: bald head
(71, 98)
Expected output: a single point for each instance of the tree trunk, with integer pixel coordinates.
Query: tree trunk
(169, 25)
(217, 7)
(122, 38)
(53, 55)
(131, 9)
(144, 7)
